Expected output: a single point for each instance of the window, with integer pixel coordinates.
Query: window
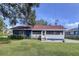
(36, 32)
(50, 32)
(75, 32)
(21, 33)
(72, 33)
(58, 32)
(54, 32)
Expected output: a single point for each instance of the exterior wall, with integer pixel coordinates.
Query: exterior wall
(72, 34)
(47, 36)
(55, 37)
(35, 35)
(25, 33)
(42, 35)
(16, 32)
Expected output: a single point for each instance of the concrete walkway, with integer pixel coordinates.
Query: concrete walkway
(71, 41)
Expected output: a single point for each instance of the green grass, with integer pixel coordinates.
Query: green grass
(38, 48)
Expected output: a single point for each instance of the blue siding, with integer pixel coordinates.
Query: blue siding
(27, 32)
(24, 32)
(15, 32)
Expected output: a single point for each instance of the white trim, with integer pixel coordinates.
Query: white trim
(38, 29)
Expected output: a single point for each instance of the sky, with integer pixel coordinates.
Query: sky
(67, 14)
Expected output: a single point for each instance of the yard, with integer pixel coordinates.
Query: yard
(38, 48)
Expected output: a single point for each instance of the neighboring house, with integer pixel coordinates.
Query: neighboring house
(72, 32)
(44, 32)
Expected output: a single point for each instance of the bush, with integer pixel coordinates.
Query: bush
(76, 37)
(15, 37)
(4, 40)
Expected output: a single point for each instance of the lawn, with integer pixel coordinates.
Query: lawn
(38, 48)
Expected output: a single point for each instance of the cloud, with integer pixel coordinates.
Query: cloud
(72, 25)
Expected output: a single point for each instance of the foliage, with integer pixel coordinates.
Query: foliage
(75, 37)
(15, 37)
(4, 40)
(1, 24)
(41, 22)
(32, 18)
(17, 10)
(19, 37)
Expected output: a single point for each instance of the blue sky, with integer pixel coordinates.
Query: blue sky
(67, 14)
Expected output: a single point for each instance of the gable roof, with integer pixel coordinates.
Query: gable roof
(73, 29)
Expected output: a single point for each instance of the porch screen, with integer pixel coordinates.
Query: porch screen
(54, 32)
(36, 32)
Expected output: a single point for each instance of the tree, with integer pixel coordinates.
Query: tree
(32, 18)
(18, 10)
(56, 22)
(8, 12)
(1, 24)
(41, 22)
(29, 13)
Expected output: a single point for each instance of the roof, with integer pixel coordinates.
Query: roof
(22, 27)
(73, 29)
(39, 27)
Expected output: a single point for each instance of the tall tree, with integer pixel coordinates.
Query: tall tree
(28, 12)
(32, 17)
(18, 10)
(1, 24)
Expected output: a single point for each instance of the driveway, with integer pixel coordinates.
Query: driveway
(71, 41)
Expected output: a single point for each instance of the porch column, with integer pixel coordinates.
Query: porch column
(41, 35)
(31, 33)
(63, 33)
(45, 35)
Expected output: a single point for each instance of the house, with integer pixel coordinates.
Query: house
(44, 32)
(71, 33)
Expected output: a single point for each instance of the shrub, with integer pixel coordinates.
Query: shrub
(4, 40)
(76, 37)
(15, 37)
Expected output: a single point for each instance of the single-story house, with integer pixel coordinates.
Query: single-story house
(45, 32)
(71, 33)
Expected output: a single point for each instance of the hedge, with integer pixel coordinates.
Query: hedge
(4, 40)
(72, 37)
(15, 37)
